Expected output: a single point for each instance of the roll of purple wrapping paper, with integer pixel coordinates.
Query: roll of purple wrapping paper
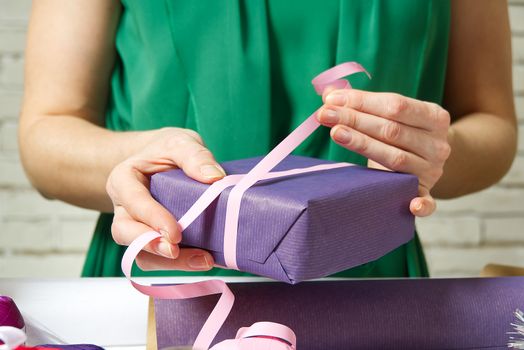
(9, 313)
(361, 314)
(300, 227)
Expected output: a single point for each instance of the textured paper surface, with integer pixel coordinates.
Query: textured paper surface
(367, 314)
(300, 227)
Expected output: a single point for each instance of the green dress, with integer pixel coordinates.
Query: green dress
(239, 73)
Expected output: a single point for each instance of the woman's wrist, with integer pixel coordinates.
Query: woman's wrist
(442, 187)
(483, 147)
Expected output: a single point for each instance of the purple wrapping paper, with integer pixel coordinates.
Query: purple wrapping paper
(361, 314)
(300, 227)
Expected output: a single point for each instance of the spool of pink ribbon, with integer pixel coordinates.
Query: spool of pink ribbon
(261, 335)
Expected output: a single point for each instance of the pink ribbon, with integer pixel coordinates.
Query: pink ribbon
(260, 334)
(331, 77)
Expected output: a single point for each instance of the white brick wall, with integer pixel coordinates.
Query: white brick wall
(37, 237)
(49, 238)
(516, 14)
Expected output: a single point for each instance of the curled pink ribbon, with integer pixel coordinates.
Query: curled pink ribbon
(260, 334)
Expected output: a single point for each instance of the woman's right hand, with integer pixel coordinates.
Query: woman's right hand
(135, 210)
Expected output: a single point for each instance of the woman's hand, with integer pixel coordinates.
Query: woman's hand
(137, 212)
(395, 132)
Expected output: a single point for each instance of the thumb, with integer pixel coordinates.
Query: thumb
(424, 205)
(198, 162)
(327, 91)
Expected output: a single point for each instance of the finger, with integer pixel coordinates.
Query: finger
(414, 140)
(189, 259)
(419, 206)
(424, 205)
(389, 156)
(125, 230)
(186, 150)
(128, 188)
(195, 159)
(327, 91)
(409, 111)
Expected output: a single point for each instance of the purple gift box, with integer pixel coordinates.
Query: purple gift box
(474, 313)
(303, 226)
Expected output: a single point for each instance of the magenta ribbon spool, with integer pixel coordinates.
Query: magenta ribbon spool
(261, 335)
(11, 324)
(9, 313)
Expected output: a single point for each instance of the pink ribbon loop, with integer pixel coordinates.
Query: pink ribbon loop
(269, 329)
(260, 334)
(331, 77)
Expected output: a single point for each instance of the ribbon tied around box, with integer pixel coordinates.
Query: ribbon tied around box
(261, 335)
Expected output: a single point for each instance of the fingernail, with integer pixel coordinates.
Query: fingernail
(199, 262)
(342, 135)
(212, 171)
(329, 116)
(164, 249)
(221, 169)
(336, 99)
(418, 206)
(165, 234)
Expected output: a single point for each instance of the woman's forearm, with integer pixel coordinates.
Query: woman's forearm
(68, 65)
(479, 96)
(69, 158)
(483, 147)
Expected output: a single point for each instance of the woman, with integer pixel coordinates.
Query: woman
(117, 92)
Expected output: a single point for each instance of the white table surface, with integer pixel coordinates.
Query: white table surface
(107, 312)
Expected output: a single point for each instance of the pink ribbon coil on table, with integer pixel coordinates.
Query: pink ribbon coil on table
(261, 334)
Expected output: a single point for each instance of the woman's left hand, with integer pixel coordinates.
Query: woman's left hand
(394, 132)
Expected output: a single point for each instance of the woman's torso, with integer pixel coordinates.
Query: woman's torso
(239, 73)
